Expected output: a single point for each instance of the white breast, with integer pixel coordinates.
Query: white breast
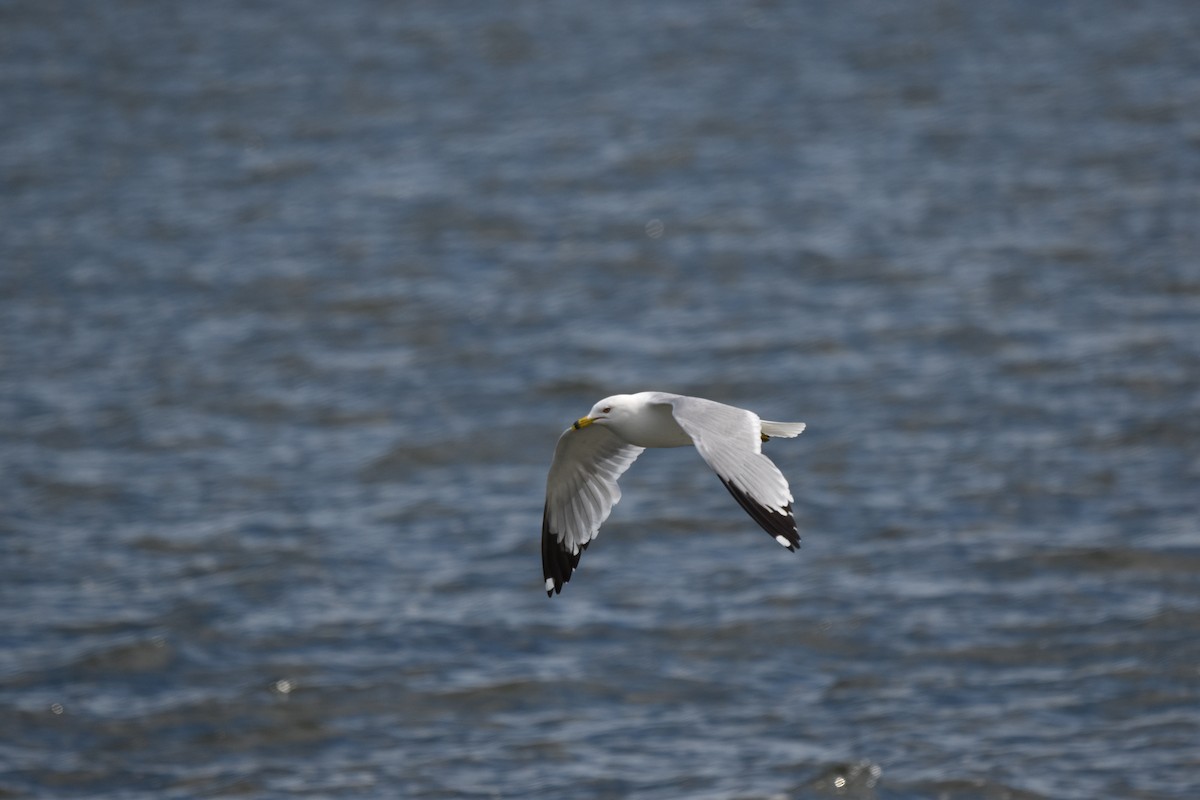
(653, 425)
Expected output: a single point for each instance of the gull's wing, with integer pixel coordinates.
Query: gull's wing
(730, 441)
(580, 492)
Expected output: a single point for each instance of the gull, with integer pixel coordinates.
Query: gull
(595, 451)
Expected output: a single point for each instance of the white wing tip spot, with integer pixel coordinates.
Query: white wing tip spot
(783, 541)
(549, 584)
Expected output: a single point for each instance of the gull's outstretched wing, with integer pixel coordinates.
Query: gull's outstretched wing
(580, 492)
(730, 441)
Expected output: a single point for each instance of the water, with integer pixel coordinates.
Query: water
(296, 298)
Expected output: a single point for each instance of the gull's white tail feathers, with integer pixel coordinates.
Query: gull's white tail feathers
(784, 430)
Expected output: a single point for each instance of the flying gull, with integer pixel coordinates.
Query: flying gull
(594, 452)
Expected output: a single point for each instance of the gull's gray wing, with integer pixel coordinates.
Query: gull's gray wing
(730, 441)
(580, 492)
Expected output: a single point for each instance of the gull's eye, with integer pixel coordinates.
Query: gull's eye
(606, 409)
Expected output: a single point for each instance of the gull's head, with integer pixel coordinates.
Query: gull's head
(607, 411)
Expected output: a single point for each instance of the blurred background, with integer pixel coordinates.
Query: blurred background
(296, 298)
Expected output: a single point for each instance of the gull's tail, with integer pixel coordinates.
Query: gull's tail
(784, 430)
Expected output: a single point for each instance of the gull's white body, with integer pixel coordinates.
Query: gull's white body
(592, 454)
(644, 423)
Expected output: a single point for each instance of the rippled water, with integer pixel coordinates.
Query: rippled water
(296, 298)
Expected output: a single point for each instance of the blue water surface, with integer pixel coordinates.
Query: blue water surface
(295, 299)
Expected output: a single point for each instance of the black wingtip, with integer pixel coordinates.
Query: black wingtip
(781, 527)
(557, 562)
